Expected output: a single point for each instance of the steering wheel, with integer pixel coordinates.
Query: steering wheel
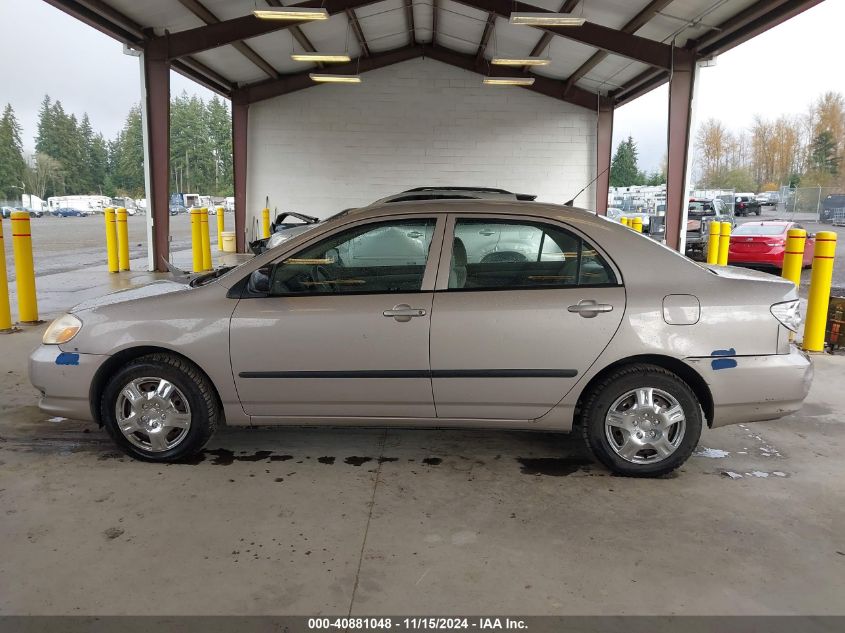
(320, 274)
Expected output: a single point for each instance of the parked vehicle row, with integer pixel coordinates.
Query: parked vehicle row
(746, 204)
(6, 212)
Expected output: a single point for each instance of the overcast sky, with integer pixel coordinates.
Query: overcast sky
(779, 72)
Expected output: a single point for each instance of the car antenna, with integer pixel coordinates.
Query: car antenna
(571, 203)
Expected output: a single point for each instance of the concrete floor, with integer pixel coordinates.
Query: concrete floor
(299, 521)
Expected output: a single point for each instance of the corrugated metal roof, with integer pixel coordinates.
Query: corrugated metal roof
(460, 25)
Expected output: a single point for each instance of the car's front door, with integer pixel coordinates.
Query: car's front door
(514, 329)
(341, 328)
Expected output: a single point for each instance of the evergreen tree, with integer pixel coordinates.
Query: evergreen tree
(823, 154)
(12, 164)
(624, 171)
(127, 159)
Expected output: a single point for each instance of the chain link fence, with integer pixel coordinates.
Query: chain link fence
(813, 202)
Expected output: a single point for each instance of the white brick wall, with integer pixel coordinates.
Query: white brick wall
(420, 122)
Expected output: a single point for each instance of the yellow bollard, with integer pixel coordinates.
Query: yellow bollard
(206, 240)
(5, 308)
(724, 243)
(24, 267)
(793, 255)
(819, 297)
(196, 240)
(122, 239)
(111, 240)
(624, 221)
(221, 226)
(713, 243)
(638, 224)
(265, 223)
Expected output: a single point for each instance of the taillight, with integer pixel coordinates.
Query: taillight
(788, 313)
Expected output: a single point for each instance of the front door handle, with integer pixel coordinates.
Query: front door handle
(403, 312)
(588, 308)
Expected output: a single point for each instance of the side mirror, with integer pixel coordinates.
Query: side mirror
(259, 280)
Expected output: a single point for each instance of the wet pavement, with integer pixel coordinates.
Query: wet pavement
(373, 521)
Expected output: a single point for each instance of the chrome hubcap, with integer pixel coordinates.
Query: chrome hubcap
(153, 414)
(645, 425)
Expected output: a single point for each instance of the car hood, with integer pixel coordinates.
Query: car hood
(154, 289)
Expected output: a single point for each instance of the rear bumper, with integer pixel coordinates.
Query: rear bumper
(64, 380)
(755, 388)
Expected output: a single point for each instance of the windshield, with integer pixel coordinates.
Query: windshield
(760, 229)
(700, 207)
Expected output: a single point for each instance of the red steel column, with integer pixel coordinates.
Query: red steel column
(157, 82)
(604, 149)
(681, 91)
(240, 112)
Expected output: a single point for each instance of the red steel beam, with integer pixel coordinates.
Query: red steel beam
(204, 38)
(605, 38)
(485, 36)
(632, 26)
(546, 38)
(681, 87)
(358, 31)
(409, 18)
(604, 149)
(157, 84)
(202, 12)
(240, 120)
(299, 81)
(542, 85)
(754, 20)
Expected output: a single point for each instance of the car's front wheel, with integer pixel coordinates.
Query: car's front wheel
(641, 421)
(159, 408)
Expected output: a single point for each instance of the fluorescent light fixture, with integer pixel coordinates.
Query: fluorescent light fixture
(291, 13)
(320, 57)
(547, 19)
(335, 79)
(520, 61)
(509, 81)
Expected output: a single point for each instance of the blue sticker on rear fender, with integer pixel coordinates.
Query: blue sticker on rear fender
(723, 363)
(67, 358)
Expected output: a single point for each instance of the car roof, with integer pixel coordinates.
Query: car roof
(469, 206)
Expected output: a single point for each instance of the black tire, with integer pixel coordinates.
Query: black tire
(597, 403)
(190, 380)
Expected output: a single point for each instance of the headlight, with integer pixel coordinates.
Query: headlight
(62, 330)
(788, 313)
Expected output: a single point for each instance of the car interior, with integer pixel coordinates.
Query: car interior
(486, 254)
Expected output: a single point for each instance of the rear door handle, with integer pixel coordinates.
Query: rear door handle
(588, 308)
(403, 312)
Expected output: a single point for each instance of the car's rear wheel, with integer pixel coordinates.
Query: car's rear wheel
(641, 421)
(159, 408)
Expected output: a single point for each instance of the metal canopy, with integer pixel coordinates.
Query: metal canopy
(623, 50)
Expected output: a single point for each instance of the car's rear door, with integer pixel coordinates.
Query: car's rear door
(343, 327)
(513, 331)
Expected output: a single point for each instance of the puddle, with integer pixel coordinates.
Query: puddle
(357, 461)
(552, 466)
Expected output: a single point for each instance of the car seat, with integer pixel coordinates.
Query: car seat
(458, 270)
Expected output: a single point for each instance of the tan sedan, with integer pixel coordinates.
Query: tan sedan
(456, 313)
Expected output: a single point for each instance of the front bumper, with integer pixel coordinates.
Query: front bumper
(64, 380)
(755, 388)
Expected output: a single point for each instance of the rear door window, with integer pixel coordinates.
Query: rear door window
(523, 255)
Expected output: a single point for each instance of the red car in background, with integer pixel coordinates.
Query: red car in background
(763, 244)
